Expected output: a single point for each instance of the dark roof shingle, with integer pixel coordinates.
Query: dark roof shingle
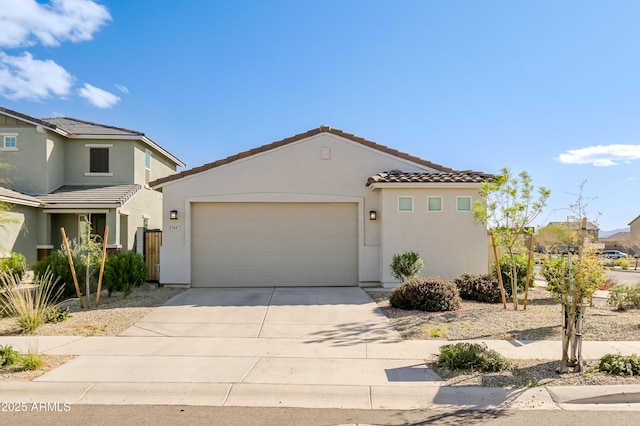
(15, 197)
(397, 176)
(81, 127)
(90, 195)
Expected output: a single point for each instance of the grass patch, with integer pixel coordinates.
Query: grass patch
(30, 306)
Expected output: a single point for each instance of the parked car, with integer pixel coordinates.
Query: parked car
(614, 254)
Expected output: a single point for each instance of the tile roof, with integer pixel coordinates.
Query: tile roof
(296, 138)
(81, 127)
(26, 117)
(14, 197)
(92, 196)
(397, 176)
(73, 127)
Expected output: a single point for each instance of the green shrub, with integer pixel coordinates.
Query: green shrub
(11, 357)
(8, 356)
(124, 271)
(406, 265)
(426, 294)
(30, 305)
(14, 265)
(58, 264)
(624, 297)
(478, 287)
(54, 315)
(620, 365)
(521, 261)
(622, 263)
(471, 356)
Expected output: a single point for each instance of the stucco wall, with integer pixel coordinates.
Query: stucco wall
(449, 241)
(293, 173)
(121, 162)
(146, 203)
(160, 165)
(25, 242)
(30, 156)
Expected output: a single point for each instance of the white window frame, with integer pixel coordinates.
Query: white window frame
(147, 155)
(100, 145)
(405, 197)
(458, 204)
(429, 206)
(6, 136)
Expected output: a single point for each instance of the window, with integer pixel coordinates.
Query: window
(434, 204)
(145, 223)
(10, 141)
(147, 160)
(99, 160)
(405, 204)
(464, 204)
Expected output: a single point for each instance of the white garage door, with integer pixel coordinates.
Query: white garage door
(274, 244)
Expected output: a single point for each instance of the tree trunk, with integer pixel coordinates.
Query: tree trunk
(514, 285)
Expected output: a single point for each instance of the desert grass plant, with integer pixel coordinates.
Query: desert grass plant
(29, 306)
(471, 356)
(9, 357)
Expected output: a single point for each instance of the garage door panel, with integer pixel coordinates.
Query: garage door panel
(274, 244)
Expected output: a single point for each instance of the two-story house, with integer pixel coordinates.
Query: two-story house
(65, 172)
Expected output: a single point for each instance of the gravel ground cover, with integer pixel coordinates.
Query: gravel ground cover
(113, 315)
(542, 320)
(474, 321)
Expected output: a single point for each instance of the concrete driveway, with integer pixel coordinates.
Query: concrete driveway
(306, 347)
(332, 314)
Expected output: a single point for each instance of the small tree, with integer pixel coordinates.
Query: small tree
(555, 238)
(572, 281)
(509, 204)
(406, 265)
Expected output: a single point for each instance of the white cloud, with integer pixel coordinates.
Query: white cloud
(98, 97)
(27, 22)
(601, 155)
(23, 77)
(123, 89)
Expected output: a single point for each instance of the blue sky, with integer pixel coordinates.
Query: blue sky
(544, 86)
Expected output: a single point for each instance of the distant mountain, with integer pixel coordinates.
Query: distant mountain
(604, 234)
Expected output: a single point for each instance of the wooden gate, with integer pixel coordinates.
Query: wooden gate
(152, 243)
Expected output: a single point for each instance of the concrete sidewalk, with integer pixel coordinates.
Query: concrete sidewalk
(283, 347)
(291, 373)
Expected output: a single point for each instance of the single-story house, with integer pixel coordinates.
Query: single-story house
(321, 208)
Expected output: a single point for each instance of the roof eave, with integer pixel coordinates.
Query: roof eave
(159, 183)
(413, 185)
(11, 200)
(62, 206)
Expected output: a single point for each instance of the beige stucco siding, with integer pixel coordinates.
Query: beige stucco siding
(25, 243)
(293, 173)
(121, 162)
(146, 203)
(160, 165)
(449, 241)
(30, 156)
